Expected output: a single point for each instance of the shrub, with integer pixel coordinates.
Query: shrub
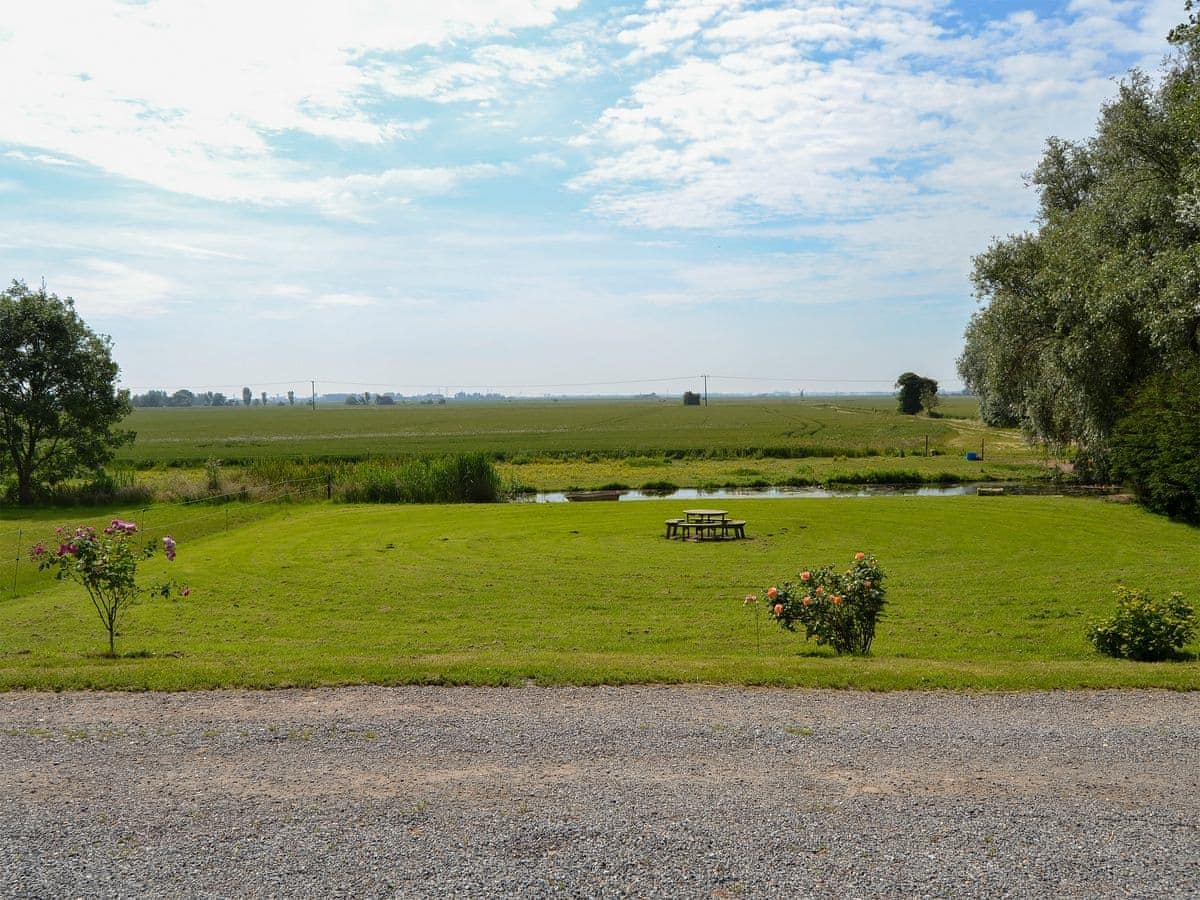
(839, 609)
(1155, 447)
(1144, 628)
(105, 566)
(459, 478)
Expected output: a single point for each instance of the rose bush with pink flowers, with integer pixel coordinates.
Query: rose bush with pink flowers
(838, 608)
(105, 565)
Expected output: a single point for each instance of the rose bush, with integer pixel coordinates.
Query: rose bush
(837, 608)
(105, 565)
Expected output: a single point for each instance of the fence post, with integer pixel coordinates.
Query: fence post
(17, 560)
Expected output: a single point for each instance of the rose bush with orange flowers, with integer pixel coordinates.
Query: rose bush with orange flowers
(838, 608)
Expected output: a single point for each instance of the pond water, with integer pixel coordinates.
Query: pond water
(790, 493)
(850, 490)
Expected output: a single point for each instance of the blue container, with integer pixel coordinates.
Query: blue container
(972, 456)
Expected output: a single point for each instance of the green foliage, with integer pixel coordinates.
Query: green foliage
(1144, 628)
(839, 609)
(58, 399)
(1103, 294)
(916, 393)
(454, 478)
(1156, 446)
(105, 565)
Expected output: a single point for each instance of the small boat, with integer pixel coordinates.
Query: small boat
(594, 495)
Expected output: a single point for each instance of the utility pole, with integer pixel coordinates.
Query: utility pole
(705, 377)
(314, 396)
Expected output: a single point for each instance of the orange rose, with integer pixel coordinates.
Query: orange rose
(806, 601)
(858, 556)
(772, 593)
(819, 591)
(805, 576)
(837, 601)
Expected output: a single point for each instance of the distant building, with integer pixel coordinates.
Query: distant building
(691, 398)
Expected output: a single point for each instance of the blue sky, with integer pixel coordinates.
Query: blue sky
(523, 195)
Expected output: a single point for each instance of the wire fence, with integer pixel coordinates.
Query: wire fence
(184, 520)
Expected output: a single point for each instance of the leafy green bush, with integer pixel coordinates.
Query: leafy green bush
(457, 478)
(1155, 448)
(837, 608)
(1144, 628)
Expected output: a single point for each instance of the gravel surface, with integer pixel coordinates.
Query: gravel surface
(642, 791)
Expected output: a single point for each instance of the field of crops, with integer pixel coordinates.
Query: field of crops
(768, 427)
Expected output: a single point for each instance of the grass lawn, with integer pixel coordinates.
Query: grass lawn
(985, 593)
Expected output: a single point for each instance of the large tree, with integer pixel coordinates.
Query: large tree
(1106, 292)
(59, 404)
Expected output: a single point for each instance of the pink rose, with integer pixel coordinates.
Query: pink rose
(858, 556)
(805, 576)
(778, 609)
(772, 593)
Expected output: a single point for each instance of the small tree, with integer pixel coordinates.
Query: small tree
(264, 398)
(105, 565)
(291, 398)
(916, 393)
(246, 395)
(59, 404)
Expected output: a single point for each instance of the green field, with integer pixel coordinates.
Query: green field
(770, 427)
(986, 593)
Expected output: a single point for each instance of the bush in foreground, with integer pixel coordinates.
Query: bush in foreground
(839, 609)
(1144, 628)
(105, 565)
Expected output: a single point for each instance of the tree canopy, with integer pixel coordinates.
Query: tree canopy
(1106, 292)
(59, 404)
(916, 393)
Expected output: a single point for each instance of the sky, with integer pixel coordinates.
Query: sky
(537, 196)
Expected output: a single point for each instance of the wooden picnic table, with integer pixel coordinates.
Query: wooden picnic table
(705, 524)
(705, 516)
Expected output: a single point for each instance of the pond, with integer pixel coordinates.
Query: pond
(721, 493)
(850, 490)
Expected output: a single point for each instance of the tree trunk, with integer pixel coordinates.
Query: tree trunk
(24, 488)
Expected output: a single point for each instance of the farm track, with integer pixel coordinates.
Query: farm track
(646, 791)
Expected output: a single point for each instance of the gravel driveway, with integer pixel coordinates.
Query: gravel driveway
(644, 791)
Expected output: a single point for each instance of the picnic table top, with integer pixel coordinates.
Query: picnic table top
(706, 512)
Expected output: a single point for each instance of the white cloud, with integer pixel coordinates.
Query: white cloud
(193, 97)
(848, 109)
(43, 158)
(334, 301)
(108, 288)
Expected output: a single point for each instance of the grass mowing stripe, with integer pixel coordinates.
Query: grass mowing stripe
(985, 593)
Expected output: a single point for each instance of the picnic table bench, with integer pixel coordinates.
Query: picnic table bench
(706, 524)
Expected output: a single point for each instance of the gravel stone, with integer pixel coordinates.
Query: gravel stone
(599, 792)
